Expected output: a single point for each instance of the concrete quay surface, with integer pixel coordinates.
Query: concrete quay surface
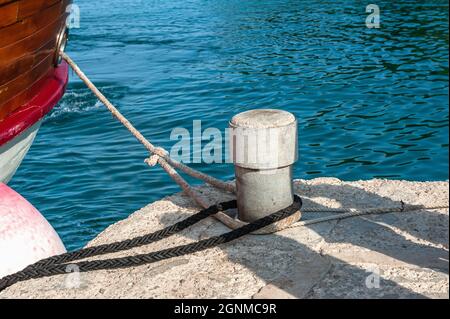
(393, 255)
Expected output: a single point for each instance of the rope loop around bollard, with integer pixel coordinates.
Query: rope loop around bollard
(57, 265)
(284, 219)
(160, 156)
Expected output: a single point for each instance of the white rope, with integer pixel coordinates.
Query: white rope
(351, 212)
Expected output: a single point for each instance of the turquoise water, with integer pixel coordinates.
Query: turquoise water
(370, 102)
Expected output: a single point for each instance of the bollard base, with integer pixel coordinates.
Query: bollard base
(262, 192)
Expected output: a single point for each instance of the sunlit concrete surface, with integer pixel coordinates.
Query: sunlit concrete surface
(395, 255)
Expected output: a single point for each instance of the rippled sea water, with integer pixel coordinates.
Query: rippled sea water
(370, 102)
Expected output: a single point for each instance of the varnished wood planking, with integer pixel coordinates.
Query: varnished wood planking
(23, 82)
(27, 53)
(22, 97)
(32, 24)
(12, 65)
(18, 10)
(29, 44)
(9, 14)
(26, 79)
(13, 70)
(15, 63)
(6, 1)
(30, 7)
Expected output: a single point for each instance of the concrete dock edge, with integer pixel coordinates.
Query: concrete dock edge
(394, 255)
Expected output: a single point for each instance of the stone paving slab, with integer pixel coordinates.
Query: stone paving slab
(395, 255)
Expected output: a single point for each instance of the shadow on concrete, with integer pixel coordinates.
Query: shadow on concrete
(293, 261)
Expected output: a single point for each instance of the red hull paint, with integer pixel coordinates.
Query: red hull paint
(46, 96)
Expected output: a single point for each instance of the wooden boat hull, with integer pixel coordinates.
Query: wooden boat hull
(31, 80)
(12, 153)
(18, 130)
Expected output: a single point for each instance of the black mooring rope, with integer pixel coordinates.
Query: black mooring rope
(57, 265)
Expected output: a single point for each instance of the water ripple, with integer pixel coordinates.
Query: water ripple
(370, 102)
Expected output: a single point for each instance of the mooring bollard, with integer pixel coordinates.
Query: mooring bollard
(263, 146)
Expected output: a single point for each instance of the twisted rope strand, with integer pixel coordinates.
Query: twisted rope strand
(343, 213)
(160, 152)
(57, 264)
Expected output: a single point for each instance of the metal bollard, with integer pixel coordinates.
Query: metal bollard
(263, 146)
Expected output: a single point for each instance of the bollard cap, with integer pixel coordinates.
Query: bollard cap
(263, 139)
(263, 118)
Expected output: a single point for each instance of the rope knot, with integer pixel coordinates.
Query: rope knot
(152, 160)
(157, 153)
